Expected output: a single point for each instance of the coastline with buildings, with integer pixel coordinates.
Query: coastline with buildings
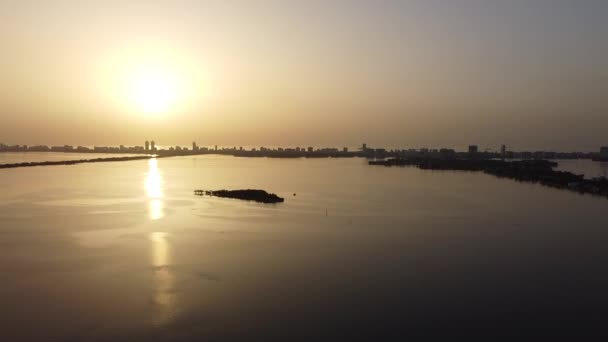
(151, 148)
(536, 167)
(522, 166)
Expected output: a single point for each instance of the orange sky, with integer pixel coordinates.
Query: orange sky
(398, 74)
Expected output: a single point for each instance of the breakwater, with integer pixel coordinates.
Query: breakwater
(72, 162)
(536, 171)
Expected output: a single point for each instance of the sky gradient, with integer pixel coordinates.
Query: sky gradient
(529, 74)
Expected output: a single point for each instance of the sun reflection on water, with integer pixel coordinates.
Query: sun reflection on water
(164, 297)
(154, 191)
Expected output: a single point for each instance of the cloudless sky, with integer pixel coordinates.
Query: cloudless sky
(532, 74)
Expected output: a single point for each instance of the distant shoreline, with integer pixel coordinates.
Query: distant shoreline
(533, 171)
(368, 153)
(72, 162)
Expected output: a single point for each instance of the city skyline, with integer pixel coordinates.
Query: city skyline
(363, 150)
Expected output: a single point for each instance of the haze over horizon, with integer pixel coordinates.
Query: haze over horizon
(529, 74)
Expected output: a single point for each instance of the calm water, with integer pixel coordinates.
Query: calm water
(124, 251)
(587, 167)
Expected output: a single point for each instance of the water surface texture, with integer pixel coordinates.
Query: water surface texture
(124, 251)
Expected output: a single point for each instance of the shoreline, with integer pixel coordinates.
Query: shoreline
(73, 162)
(531, 171)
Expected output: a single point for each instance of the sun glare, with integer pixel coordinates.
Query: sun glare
(155, 83)
(154, 90)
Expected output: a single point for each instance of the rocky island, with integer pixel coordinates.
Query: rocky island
(246, 195)
(537, 171)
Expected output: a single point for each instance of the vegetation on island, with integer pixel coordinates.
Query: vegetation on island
(537, 171)
(247, 195)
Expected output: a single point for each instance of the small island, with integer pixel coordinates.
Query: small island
(246, 195)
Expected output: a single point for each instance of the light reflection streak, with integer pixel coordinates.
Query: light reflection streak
(154, 191)
(164, 297)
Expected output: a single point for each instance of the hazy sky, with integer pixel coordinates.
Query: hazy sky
(530, 73)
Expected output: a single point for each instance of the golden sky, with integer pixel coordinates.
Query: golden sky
(529, 74)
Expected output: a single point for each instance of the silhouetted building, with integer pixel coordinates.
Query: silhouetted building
(345, 150)
(147, 146)
(473, 149)
(364, 147)
(604, 151)
(194, 146)
(447, 153)
(153, 146)
(216, 147)
(503, 151)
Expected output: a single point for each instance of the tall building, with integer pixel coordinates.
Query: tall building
(153, 146)
(503, 151)
(604, 151)
(364, 147)
(473, 149)
(194, 147)
(147, 146)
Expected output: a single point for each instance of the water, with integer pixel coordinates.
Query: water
(125, 251)
(586, 167)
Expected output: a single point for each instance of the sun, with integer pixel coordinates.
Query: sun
(154, 90)
(153, 83)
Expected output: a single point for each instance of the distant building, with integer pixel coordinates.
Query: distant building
(147, 146)
(194, 146)
(604, 151)
(503, 151)
(345, 150)
(364, 147)
(153, 146)
(216, 147)
(447, 153)
(310, 149)
(473, 149)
